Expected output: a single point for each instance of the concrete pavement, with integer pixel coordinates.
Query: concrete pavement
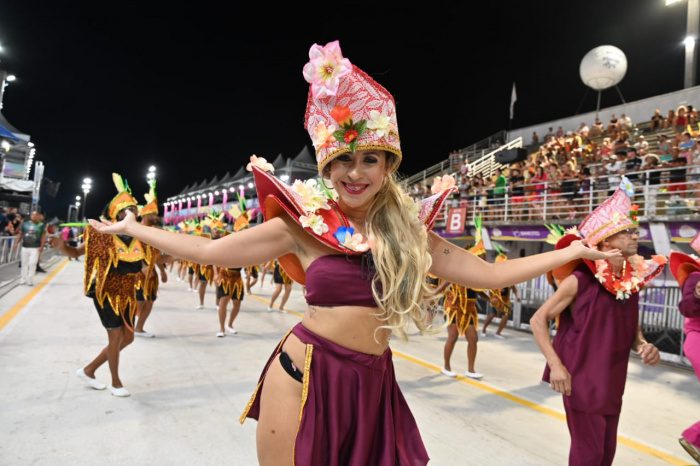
(188, 389)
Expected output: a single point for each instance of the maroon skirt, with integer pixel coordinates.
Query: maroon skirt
(352, 410)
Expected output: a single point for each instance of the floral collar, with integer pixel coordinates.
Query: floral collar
(636, 272)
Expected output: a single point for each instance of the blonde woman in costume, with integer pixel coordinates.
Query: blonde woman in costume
(362, 251)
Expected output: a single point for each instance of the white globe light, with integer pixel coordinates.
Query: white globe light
(11, 78)
(152, 168)
(603, 67)
(250, 185)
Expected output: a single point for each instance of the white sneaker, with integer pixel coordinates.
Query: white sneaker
(144, 334)
(448, 373)
(473, 375)
(232, 330)
(500, 337)
(199, 306)
(270, 309)
(92, 383)
(484, 334)
(220, 334)
(22, 282)
(121, 392)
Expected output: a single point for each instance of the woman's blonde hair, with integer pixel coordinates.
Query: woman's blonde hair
(401, 256)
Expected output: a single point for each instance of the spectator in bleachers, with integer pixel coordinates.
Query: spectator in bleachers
(677, 176)
(642, 145)
(614, 125)
(665, 149)
(633, 163)
(657, 120)
(554, 189)
(549, 135)
(500, 184)
(464, 185)
(686, 147)
(535, 190)
(621, 142)
(606, 148)
(535, 139)
(560, 132)
(583, 130)
(569, 189)
(652, 181)
(670, 120)
(597, 128)
(517, 193)
(613, 168)
(681, 120)
(625, 122)
(691, 115)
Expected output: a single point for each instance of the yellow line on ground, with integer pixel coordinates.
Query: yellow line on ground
(14, 310)
(628, 442)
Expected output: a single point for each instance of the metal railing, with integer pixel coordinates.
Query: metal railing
(659, 317)
(663, 195)
(9, 249)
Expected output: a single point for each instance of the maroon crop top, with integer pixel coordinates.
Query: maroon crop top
(340, 280)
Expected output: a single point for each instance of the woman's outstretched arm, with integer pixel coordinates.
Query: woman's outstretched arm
(456, 265)
(251, 246)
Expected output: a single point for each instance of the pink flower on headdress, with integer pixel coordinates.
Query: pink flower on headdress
(261, 163)
(325, 68)
(322, 135)
(443, 183)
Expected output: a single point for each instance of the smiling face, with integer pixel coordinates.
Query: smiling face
(358, 176)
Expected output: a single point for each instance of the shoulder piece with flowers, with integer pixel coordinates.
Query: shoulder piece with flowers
(636, 272)
(314, 206)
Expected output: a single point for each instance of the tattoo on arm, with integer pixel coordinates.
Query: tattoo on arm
(446, 251)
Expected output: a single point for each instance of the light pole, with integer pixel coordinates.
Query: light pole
(151, 175)
(87, 186)
(691, 38)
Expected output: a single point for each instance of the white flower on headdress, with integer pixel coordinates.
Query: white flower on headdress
(322, 135)
(261, 163)
(379, 123)
(311, 196)
(325, 68)
(315, 222)
(443, 183)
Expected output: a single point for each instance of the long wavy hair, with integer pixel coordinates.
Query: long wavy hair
(401, 257)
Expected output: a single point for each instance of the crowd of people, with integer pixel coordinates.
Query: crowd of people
(573, 166)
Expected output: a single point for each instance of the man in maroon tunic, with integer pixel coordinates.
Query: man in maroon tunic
(597, 307)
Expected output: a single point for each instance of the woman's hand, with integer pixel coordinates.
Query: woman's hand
(114, 228)
(582, 251)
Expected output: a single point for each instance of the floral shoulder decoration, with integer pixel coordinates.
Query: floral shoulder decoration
(313, 197)
(261, 163)
(634, 272)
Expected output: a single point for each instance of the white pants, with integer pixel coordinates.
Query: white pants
(30, 257)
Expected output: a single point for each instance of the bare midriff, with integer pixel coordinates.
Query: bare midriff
(353, 327)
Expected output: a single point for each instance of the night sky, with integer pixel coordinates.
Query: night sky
(195, 89)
